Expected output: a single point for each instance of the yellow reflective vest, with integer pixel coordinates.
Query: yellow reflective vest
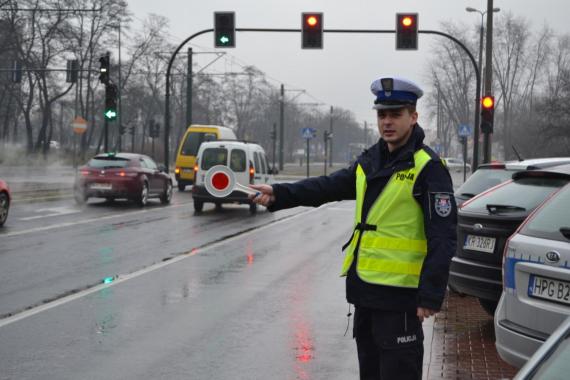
(391, 243)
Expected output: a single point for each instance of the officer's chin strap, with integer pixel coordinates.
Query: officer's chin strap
(348, 320)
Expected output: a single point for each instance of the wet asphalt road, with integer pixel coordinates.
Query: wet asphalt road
(220, 295)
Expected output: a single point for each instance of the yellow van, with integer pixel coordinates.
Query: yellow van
(188, 148)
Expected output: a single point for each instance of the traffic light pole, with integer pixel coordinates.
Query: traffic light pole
(105, 134)
(352, 31)
(488, 76)
(281, 126)
(274, 144)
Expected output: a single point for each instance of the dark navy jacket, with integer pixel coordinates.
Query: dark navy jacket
(379, 164)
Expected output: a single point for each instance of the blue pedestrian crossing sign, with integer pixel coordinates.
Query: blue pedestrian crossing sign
(464, 130)
(308, 133)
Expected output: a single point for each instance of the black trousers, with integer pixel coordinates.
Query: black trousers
(389, 344)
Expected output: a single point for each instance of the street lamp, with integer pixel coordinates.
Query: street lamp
(482, 30)
(480, 91)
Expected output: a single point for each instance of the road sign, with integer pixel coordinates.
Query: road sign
(464, 130)
(79, 125)
(308, 133)
(438, 148)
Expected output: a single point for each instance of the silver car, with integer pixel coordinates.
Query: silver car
(536, 280)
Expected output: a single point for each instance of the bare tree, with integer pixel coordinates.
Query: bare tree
(509, 60)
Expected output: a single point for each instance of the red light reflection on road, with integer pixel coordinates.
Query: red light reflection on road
(303, 342)
(303, 336)
(249, 252)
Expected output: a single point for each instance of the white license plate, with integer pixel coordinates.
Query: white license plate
(186, 170)
(101, 186)
(549, 289)
(480, 243)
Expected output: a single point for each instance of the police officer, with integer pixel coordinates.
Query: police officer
(397, 259)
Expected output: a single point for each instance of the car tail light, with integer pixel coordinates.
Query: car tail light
(251, 172)
(177, 170)
(124, 173)
(85, 172)
(195, 171)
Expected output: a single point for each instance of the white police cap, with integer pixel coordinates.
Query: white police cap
(395, 92)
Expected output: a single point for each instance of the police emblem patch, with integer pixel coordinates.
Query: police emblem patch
(442, 204)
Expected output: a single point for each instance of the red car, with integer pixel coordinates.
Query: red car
(5, 199)
(123, 175)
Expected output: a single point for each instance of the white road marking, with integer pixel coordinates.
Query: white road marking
(54, 211)
(85, 221)
(122, 278)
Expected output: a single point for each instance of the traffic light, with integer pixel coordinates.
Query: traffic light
(154, 129)
(487, 113)
(224, 29)
(406, 31)
(122, 130)
(273, 135)
(312, 30)
(131, 130)
(72, 71)
(110, 102)
(104, 69)
(16, 71)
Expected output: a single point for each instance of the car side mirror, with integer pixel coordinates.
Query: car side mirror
(162, 168)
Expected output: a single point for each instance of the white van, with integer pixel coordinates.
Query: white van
(247, 160)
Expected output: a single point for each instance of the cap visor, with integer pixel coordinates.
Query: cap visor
(388, 106)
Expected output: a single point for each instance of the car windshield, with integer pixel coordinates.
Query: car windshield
(108, 162)
(214, 156)
(484, 179)
(193, 141)
(552, 220)
(518, 196)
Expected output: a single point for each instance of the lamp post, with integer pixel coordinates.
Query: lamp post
(479, 93)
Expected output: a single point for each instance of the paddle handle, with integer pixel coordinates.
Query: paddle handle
(245, 189)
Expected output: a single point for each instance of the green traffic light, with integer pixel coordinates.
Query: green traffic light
(110, 114)
(224, 40)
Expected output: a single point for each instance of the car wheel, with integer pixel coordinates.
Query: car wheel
(253, 208)
(198, 206)
(166, 197)
(488, 305)
(4, 208)
(142, 200)
(79, 196)
(181, 186)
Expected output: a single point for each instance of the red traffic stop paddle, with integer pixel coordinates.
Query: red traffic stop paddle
(220, 181)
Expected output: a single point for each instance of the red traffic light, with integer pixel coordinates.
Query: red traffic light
(407, 21)
(312, 21)
(312, 30)
(488, 102)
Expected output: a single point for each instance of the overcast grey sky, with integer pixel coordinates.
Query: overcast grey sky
(341, 73)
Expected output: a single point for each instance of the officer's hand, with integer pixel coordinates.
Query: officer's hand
(425, 313)
(265, 196)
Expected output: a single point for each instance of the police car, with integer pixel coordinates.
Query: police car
(246, 159)
(536, 283)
